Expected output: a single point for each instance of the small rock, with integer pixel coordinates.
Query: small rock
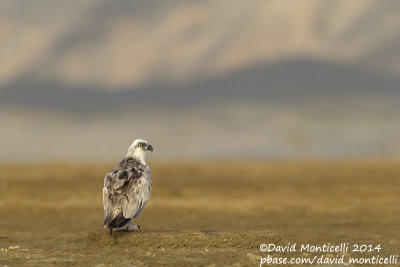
(13, 247)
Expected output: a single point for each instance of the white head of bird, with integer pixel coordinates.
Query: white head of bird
(138, 149)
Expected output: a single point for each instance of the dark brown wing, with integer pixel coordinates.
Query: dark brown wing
(119, 200)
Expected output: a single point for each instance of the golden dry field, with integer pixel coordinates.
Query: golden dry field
(209, 213)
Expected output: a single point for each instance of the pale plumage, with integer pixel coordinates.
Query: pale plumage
(127, 188)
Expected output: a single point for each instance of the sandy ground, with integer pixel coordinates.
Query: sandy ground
(212, 214)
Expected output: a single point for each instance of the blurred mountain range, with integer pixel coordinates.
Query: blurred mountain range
(129, 44)
(81, 79)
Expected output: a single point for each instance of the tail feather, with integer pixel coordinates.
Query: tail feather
(117, 222)
(107, 220)
(108, 223)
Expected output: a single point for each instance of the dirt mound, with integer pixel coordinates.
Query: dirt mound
(182, 239)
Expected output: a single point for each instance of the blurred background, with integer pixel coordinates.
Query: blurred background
(80, 80)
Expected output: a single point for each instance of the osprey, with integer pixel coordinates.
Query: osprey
(127, 188)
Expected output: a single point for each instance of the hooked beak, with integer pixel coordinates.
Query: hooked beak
(149, 147)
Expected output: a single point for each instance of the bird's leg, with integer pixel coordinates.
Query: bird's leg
(131, 226)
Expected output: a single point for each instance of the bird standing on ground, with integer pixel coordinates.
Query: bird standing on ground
(127, 188)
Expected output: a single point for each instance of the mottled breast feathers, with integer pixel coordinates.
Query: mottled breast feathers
(126, 191)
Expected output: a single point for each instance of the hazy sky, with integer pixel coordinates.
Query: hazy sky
(200, 79)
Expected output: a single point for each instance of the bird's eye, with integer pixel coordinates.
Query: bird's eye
(139, 145)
